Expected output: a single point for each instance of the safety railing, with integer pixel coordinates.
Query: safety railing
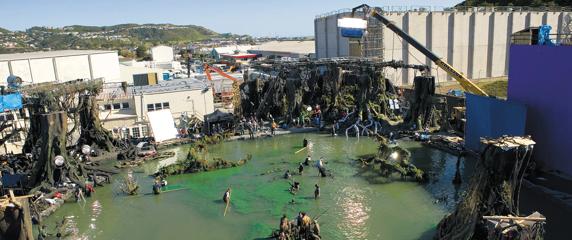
(560, 39)
(404, 9)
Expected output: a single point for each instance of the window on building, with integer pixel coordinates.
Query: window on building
(135, 132)
(157, 106)
(125, 132)
(145, 131)
(107, 106)
(117, 106)
(124, 105)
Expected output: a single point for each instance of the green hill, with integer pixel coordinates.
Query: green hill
(150, 32)
(524, 3)
(3, 30)
(122, 36)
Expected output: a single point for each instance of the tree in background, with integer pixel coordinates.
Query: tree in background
(126, 53)
(141, 51)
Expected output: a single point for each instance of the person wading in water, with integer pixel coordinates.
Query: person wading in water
(226, 196)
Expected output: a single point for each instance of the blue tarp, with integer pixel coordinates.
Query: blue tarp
(11, 102)
(544, 36)
(215, 55)
(490, 117)
(352, 32)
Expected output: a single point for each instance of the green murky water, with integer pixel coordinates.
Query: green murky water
(350, 207)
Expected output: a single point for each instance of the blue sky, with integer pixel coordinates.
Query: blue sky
(254, 17)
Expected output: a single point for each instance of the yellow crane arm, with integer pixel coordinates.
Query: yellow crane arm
(458, 76)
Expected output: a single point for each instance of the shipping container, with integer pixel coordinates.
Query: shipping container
(144, 79)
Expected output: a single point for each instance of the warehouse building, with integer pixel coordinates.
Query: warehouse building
(473, 40)
(293, 49)
(124, 112)
(60, 66)
(162, 54)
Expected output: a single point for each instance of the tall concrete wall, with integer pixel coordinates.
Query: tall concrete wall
(393, 47)
(320, 37)
(460, 41)
(415, 23)
(439, 42)
(332, 36)
(475, 43)
(497, 60)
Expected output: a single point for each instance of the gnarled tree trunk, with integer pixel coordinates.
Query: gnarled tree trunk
(92, 132)
(50, 130)
(494, 189)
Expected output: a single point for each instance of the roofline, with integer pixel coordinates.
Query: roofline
(429, 9)
(96, 52)
(139, 93)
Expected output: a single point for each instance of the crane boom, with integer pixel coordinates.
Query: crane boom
(208, 68)
(458, 76)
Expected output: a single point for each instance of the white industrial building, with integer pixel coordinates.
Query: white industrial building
(162, 54)
(125, 112)
(60, 66)
(473, 40)
(293, 49)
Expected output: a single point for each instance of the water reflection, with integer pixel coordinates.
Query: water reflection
(354, 207)
(354, 212)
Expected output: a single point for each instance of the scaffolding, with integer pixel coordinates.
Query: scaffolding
(372, 46)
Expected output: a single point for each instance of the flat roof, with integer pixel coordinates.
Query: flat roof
(304, 47)
(176, 85)
(50, 54)
(240, 55)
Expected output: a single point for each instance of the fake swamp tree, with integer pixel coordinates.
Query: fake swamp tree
(50, 107)
(388, 164)
(196, 162)
(285, 89)
(494, 189)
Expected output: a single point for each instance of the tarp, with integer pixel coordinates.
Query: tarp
(544, 35)
(492, 118)
(162, 125)
(12, 101)
(218, 116)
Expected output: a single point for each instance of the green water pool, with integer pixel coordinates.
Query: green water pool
(349, 207)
